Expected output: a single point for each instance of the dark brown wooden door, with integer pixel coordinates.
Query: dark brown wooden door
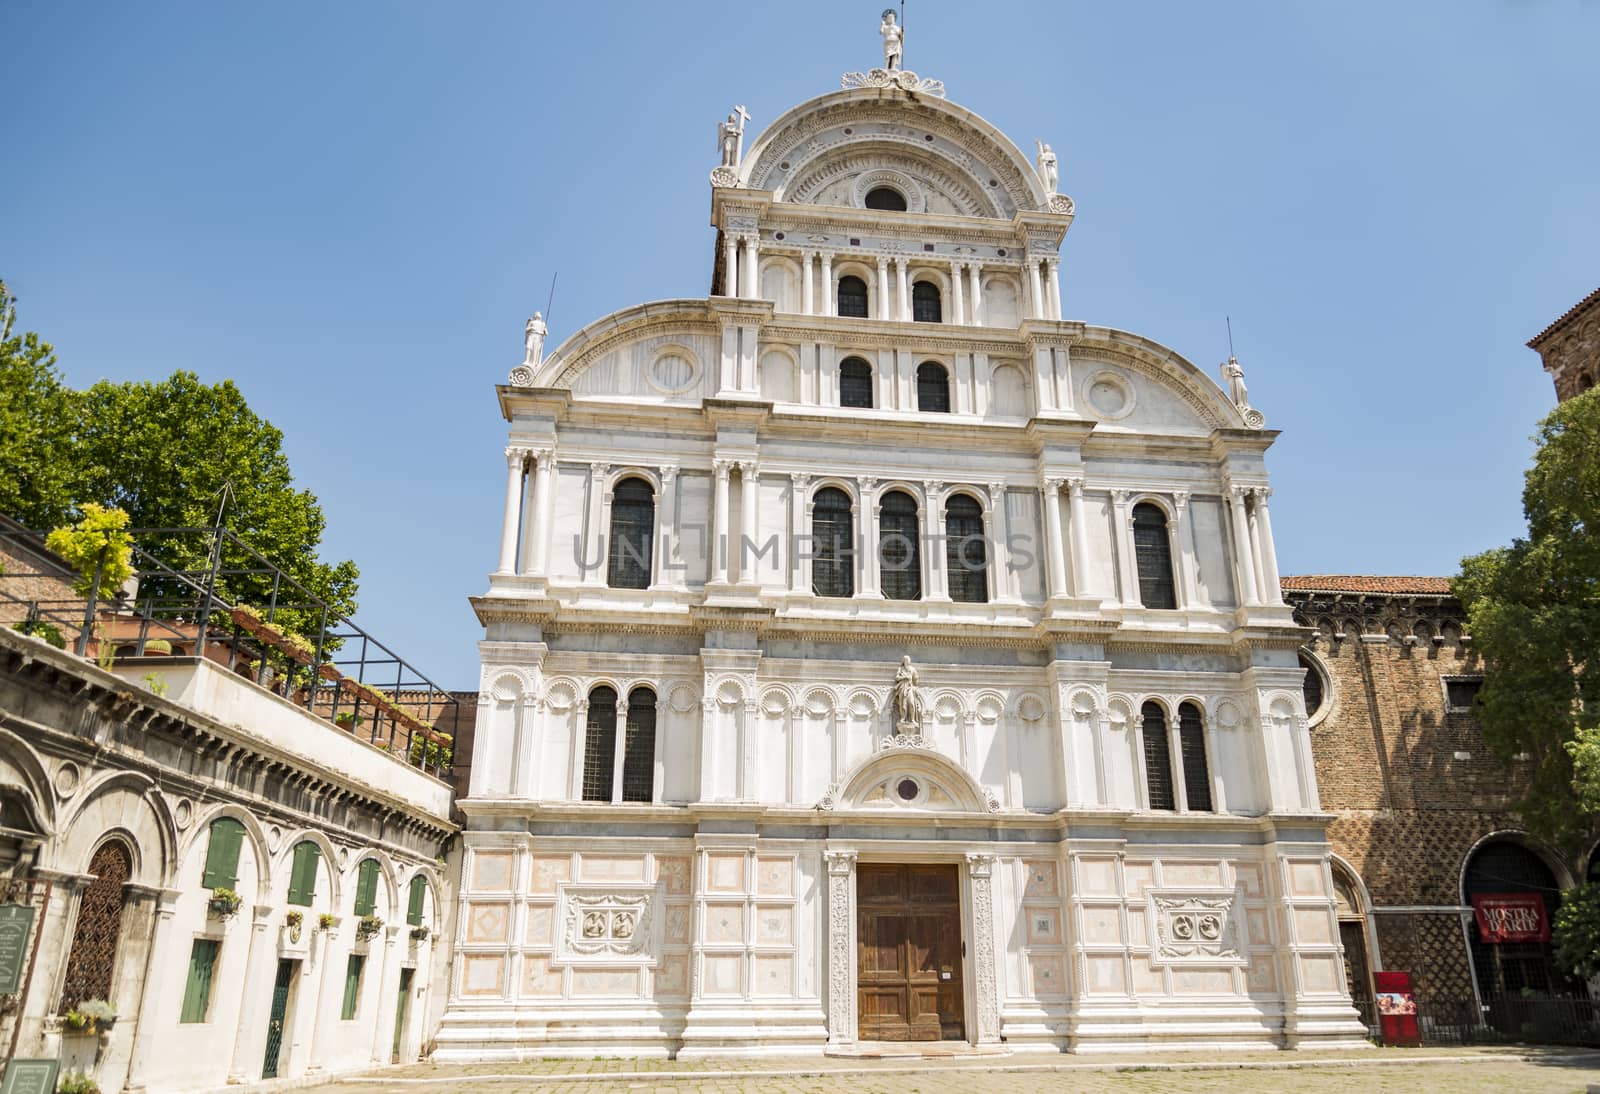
(908, 967)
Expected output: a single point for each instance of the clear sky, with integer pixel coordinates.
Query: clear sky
(352, 208)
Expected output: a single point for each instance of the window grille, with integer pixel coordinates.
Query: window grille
(966, 552)
(832, 544)
(899, 556)
(1462, 693)
(852, 297)
(92, 961)
(926, 306)
(1152, 552)
(600, 745)
(633, 519)
(855, 383)
(1196, 773)
(933, 388)
(639, 747)
(1157, 757)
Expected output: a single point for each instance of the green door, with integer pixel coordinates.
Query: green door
(280, 1004)
(400, 1013)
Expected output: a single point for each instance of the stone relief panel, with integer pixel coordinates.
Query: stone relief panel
(1195, 927)
(608, 925)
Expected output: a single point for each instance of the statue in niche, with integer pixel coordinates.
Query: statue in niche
(1049, 174)
(730, 136)
(533, 337)
(907, 700)
(1233, 376)
(893, 40)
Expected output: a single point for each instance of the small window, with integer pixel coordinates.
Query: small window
(1153, 554)
(855, 383)
(352, 986)
(639, 747)
(832, 544)
(415, 900)
(600, 745)
(925, 303)
(1315, 693)
(887, 199)
(197, 991)
(1461, 692)
(1157, 757)
(899, 559)
(1585, 382)
(966, 551)
(222, 854)
(633, 521)
(367, 887)
(933, 388)
(852, 297)
(303, 874)
(1196, 772)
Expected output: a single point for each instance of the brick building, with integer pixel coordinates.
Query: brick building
(1570, 348)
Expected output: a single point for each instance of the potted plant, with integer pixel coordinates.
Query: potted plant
(89, 1017)
(347, 719)
(76, 1082)
(292, 920)
(157, 647)
(326, 921)
(224, 903)
(419, 934)
(368, 926)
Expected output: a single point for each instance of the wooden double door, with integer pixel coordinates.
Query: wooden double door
(909, 951)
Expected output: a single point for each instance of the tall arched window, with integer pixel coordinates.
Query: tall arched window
(1157, 757)
(600, 745)
(222, 854)
(926, 306)
(1152, 552)
(899, 558)
(832, 544)
(933, 387)
(639, 747)
(966, 553)
(855, 383)
(1196, 772)
(633, 522)
(852, 297)
(92, 961)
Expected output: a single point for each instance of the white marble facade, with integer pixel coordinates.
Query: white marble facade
(698, 893)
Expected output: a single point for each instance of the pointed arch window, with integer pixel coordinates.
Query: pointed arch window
(1152, 552)
(639, 747)
(600, 744)
(832, 544)
(1196, 771)
(633, 521)
(926, 305)
(933, 388)
(855, 383)
(966, 552)
(1157, 757)
(852, 297)
(899, 557)
(92, 961)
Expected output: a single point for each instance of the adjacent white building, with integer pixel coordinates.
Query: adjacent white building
(876, 654)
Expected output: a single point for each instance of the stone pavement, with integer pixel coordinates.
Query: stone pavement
(1502, 1070)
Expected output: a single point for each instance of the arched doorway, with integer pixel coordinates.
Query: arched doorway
(92, 964)
(1513, 893)
(1352, 912)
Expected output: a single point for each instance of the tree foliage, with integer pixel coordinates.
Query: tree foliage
(37, 412)
(1577, 931)
(1534, 610)
(97, 546)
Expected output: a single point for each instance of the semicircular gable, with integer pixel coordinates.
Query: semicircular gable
(840, 176)
(1167, 372)
(905, 774)
(662, 350)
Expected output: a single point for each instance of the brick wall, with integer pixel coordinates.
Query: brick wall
(1570, 348)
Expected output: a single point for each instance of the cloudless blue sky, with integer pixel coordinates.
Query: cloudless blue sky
(351, 208)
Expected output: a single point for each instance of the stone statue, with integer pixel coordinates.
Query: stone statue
(1234, 376)
(730, 136)
(1048, 173)
(893, 40)
(907, 701)
(534, 338)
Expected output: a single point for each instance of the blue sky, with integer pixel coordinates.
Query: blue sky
(351, 209)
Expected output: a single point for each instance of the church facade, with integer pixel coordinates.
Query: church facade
(875, 654)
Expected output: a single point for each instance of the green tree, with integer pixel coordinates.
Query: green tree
(1577, 931)
(37, 413)
(98, 545)
(1534, 609)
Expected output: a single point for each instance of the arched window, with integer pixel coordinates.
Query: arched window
(925, 303)
(222, 854)
(639, 747)
(92, 961)
(1153, 553)
(1157, 757)
(933, 387)
(416, 897)
(832, 544)
(887, 199)
(899, 559)
(600, 745)
(852, 297)
(633, 522)
(303, 870)
(1507, 965)
(1196, 772)
(1312, 689)
(966, 552)
(367, 887)
(855, 383)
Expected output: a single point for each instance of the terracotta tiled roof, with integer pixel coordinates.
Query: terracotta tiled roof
(1367, 583)
(1533, 343)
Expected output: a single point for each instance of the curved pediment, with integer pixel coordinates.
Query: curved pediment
(907, 773)
(1129, 381)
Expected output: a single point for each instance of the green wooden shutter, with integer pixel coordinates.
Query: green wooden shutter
(419, 890)
(367, 887)
(352, 985)
(222, 855)
(197, 993)
(303, 875)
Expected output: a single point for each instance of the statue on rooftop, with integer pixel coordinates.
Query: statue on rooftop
(730, 136)
(1048, 172)
(533, 336)
(893, 40)
(1233, 376)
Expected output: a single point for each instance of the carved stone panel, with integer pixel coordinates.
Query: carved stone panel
(608, 925)
(1196, 927)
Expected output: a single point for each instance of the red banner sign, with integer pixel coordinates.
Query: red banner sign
(1511, 917)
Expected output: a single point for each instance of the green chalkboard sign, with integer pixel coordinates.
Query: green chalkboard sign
(16, 928)
(30, 1076)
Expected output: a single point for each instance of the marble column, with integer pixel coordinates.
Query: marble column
(748, 532)
(1243, 557)
(931, 551)
(1000, 536)
(665, 560)
(1125, 563)
(829, 297)
(163, 962)
(388, 996)
(536, 528)
(884, 311)
(975, 272)
(719, 522)
(841, 866)
(1263, 595)
(752, 268)
(902, 277)
(1054, 265)
(958, 299)
(730, 264)
(986, 984)
(1182, 554)
(1080, 537)
(807, 299)
(866, 523)
(1051, 498)
(594, 553)
(799, 534)
(1040, 311)
(259, 961)
(1271, 585)
(515, 458)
